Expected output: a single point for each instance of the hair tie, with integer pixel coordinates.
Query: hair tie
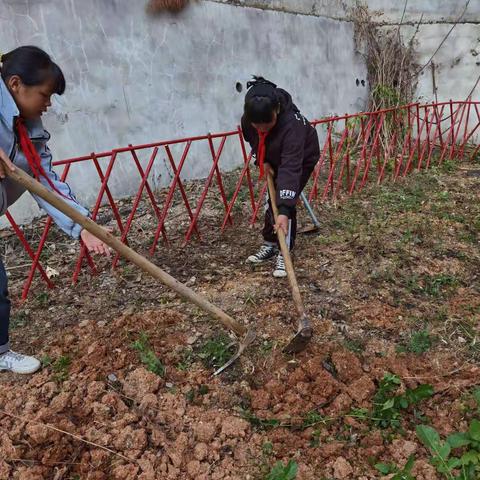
(259, 81)
(260, 87)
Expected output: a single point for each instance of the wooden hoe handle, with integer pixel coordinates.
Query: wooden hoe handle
(297, 299)
(182, 290)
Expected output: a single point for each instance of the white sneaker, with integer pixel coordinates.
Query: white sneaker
(265, 253)
(280, 271)
(18, 363)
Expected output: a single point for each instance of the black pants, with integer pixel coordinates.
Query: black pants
(268, 232)
(4, 310)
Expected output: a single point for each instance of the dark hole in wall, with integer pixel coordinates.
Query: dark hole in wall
(239, 87)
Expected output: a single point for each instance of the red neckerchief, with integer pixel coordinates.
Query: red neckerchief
(261, 150)
(31, 154)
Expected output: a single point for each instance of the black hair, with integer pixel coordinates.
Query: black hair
(33, 66)
(261, 100)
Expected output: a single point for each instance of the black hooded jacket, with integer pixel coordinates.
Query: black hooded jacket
(291, 148)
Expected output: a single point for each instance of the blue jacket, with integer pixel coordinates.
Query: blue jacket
(10, 191)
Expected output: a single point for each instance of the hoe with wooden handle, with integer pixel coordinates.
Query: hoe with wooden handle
(182, 290)
(316, 224)
(304, 331)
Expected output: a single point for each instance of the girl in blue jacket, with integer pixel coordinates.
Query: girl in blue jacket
(28, 80)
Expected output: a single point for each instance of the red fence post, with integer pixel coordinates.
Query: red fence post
(216, 158)
(169, 198)
(238, 186)
(321, 161)
(31, 254)
(373, 142)
(219, 178)
(151, 196)
(103, 188)
(136, 202)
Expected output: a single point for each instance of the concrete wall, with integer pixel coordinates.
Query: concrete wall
(456, 66)
(433, 10)
(134, 78)
(336, 9)
(457, 63)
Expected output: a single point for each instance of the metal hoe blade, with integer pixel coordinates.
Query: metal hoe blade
(247, 340)
(308, 229)
(301, 339)
(316, 224)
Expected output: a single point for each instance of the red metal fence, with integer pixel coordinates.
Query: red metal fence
(355, 150)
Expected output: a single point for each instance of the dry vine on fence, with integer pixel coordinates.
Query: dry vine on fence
(390, 62)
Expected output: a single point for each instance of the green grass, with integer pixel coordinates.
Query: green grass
(436, 286)
(469, 235)
(251, 299)
(354, 345)
(389, 406)
(267, 448)
(419, 342)
(261, 423)
(187, 359)
(147, 355)
(456, 457)
(406, 196)
(266, 347)
(328, 240)
(398, 474)
(18, 320)
(61, 368)
(195, 393)
(447, 166)
(46, 361)
(283, 472)
(42, 299)
(312, 419)
(216, 351)
(229, 184)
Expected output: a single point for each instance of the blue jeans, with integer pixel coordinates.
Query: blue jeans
(4, 310)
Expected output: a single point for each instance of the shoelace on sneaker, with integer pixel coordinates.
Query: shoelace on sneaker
(264, 251)
(280, 263)
(11, 357)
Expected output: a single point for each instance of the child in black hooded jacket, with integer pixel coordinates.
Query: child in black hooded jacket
(285, 144)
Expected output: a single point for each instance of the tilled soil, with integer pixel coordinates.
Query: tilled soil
(389, 263)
